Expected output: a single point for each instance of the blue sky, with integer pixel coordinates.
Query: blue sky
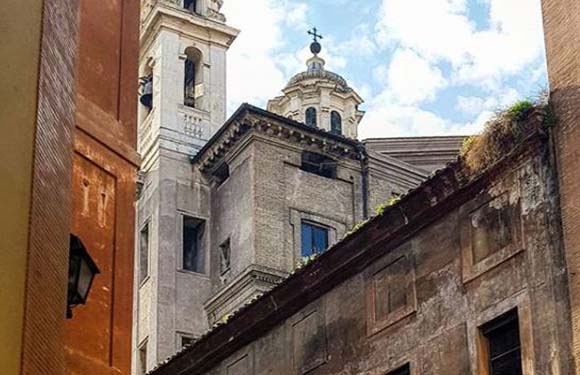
(424, 67)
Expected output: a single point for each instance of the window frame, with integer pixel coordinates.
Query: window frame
(194, 8)
(308, 113)
(494, 325)
(327, 166)
(335, 116)
(201, 244)
(318, 226)
(227, 244)
(520, 301)
(189, 85)
(142, 361)
(144, 276)
(181, 336)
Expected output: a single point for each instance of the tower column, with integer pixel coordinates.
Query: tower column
(562, 35)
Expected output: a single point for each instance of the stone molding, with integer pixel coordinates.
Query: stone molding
(251, 119)
(254, 281)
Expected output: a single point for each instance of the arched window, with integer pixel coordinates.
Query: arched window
(190, 5)
(335, 123)
(191, 77)
(311, 117)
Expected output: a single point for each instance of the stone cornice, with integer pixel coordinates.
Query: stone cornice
(170, 17)
(255, 275)
(251, 119)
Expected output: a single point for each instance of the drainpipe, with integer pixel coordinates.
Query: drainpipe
(364, 165)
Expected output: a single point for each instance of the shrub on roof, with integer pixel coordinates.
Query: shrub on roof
(500, 135)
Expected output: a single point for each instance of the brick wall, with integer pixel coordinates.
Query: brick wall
(49, 223)
(562, 33)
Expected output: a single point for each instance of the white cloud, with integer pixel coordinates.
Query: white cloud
(425, 34)
(440, 30)
(411, 79)
(395, 120)
(253, 73)
(437, 29)
(474, 105)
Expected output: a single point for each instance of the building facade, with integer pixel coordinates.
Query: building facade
(70, 165)
(182, 104)
(472, 272)
(465, 275)
(228, 209)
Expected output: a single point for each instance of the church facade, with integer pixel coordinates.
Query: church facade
(472, 272)
(227, 210)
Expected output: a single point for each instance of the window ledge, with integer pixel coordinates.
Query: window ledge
(193, 273)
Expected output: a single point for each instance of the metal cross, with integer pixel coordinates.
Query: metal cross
(315, 35)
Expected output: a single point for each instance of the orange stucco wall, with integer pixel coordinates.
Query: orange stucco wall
(98, 338)
(20, 49)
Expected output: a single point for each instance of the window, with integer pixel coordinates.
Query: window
(314, 239)
(491, 228)
(501, 342)
(193, 257)
(318, 164)
(190, 5)
(146, 85)
(143, 359)
(144, 253)
(221, 174)
(335, 123)
(225, 257)
(311, 117)
(186, 340)
(405, 370)
(189, 83)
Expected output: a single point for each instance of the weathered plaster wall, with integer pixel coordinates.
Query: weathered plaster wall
(105, 163)
(448, 296)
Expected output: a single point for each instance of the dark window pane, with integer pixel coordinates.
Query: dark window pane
(405, 370)
(314, 239)
(318, 164)
(503, 338)
(320, 239)
(311, 117)
(306, 240)
(225, 257)
(190, 5)
(192, 253)
(185, 340)
(189, 83)
(335, 123)
(144, 253)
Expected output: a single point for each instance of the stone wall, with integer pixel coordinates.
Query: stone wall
(562, 34)
(450, 272)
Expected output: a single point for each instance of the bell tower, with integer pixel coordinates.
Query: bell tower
(182, 103)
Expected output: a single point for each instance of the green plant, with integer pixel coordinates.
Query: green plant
(520, 109)
(357, 227)
(388, 203)
(304, 261)
(501, 133)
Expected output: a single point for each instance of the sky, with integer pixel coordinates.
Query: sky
(423, 67)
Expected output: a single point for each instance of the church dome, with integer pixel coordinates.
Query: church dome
(320, 75)
(320, 98)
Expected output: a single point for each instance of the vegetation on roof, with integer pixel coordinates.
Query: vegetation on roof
(505, 130)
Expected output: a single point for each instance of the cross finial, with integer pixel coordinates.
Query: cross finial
(315, 35)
